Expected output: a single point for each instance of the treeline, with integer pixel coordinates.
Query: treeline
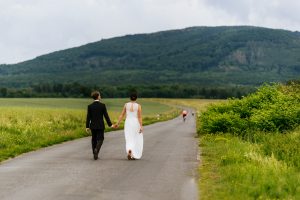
(156, 91)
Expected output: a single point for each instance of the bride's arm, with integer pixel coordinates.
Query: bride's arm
(122, 115)
(140, 118)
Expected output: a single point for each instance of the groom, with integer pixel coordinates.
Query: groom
(94, 122)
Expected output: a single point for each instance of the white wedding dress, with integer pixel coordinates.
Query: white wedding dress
(134, 139)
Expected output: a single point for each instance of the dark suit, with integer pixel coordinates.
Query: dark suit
(94, 120)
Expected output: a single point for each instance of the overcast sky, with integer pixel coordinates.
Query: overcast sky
(29, 28)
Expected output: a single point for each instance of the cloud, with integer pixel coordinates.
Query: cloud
(269, 13)
(34, 27)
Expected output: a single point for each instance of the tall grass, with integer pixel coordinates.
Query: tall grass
(233, 168)
(26, 129)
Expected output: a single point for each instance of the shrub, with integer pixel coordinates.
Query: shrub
(273, 107)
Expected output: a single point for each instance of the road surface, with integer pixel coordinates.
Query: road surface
(67, 171)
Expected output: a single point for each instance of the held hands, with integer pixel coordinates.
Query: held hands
(115, 126)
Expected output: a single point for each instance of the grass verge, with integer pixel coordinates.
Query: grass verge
(233, 168)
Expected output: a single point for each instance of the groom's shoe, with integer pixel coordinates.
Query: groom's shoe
(97, 149)
(95, 154)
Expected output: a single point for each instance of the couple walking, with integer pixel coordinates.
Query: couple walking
(133, 127)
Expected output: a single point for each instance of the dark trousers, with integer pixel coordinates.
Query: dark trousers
(97, 138)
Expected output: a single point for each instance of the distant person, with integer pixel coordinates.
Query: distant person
(94, 122)
(184, 114)
(133, 128)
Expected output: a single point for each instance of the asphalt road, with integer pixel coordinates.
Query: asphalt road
(167, 169)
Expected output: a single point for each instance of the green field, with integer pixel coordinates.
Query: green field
(113, 105)
(29, 124)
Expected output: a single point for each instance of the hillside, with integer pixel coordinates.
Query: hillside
(211, 56)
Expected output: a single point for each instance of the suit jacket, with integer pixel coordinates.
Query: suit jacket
(95, 113)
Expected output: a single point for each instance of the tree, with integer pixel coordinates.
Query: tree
(3, 92)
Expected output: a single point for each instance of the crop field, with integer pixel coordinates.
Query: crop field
(29, 124)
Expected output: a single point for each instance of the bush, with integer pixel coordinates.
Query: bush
(273, 108)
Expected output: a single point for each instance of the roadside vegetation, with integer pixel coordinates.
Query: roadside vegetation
(250, 146)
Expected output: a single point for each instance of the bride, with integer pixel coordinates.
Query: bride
(133, 128)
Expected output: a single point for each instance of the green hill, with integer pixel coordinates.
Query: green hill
(206, 56)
